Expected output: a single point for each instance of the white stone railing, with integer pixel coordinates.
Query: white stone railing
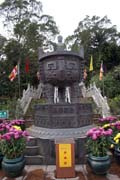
(29, 94)
(95, 93)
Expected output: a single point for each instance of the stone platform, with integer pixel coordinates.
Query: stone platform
(83, 172)
(46, 133)
(41, 148)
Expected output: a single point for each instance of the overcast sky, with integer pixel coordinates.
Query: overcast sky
(68, 13)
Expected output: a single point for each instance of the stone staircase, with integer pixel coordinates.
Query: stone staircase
(100, 101)
(28, 116)
(32, 153)
(29, 94)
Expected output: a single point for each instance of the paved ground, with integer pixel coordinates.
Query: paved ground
(83, 172)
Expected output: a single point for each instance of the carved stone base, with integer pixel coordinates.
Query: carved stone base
(63, 115)
(46, 142)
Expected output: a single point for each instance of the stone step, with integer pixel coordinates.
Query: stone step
(32, 150)
(34, 160)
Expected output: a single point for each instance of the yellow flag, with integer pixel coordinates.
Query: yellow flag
(91, 64)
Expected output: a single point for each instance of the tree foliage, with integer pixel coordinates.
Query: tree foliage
(110, 85)
(99, 38)
(30, 29)
(15, 11)
(29, 25)
(115, 105)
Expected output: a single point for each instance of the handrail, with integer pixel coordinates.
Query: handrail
(95, 93)
(29, 94)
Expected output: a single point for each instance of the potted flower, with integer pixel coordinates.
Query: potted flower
(97, 147)
(18, 122)
(116, 140)
(13, 144)
(3, 129)
(113, 123)
(107, 120)
(115, 126)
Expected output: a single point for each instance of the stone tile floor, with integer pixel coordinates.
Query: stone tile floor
(83, 172)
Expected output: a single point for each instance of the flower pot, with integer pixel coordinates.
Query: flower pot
(99, 165)
(1, 158)
(117, 155)
(13, 167)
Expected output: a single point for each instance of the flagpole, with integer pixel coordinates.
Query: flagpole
(103, 87)
(27, 63)
(103, 81)
(19, 81)
(101, 77)
(19, 77)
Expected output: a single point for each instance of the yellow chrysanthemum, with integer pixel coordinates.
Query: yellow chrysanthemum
(17, 127)
(112, 146)
(117, 141)
(118, 135)
(106, 125)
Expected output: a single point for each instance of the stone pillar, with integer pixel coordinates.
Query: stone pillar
(49, 93)
(75, 93)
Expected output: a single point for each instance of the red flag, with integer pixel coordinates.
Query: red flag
(14, 73)
(101, 72)
(27, 65)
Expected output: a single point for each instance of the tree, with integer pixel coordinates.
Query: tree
(110, 85)
(28, 23)
(15, 11)
(2, 43)
(116, 73)
(30, 29)
(96, 35)
(36, 34)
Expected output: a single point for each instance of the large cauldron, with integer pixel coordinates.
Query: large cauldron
(61, 68)
(63, 115)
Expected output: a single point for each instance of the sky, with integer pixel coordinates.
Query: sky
(68, 13)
